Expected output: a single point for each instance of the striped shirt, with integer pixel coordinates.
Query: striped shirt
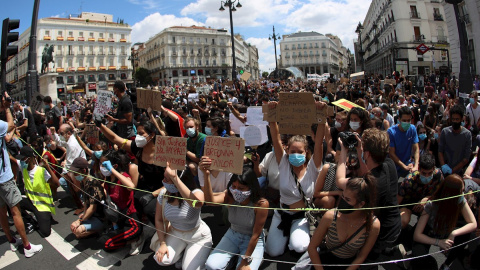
(183, 218)
(348, 250)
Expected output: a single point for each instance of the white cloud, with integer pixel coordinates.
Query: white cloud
(155, 23)
(147, 4)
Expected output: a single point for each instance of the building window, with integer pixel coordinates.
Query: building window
(183, 40)
(122, 36)
(91, 78)
(60, 33)
(100, 35)
(214, 62)
(91, 34)
(111, 77)
(90, 63)
(70, 79)
(80, 62)
(191, 40)
(111, 62)
(47, 33)
(413, 12)
(123, 76)
(80, 34)
(110, 35)
(70, 33)
(101, 77)
(70, 63)
(81, 78)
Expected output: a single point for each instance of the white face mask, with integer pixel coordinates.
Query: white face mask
(355, 125)
(140, 141)
(105, 171)
(338, 124)
(62, 138)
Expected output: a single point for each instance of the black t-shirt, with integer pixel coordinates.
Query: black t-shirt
(57, 153)
(390, 223)
(53, 117)
(152, 174)
(41, 129)
(31, 129)
(172, 127)
(125, 106)
(334, 134)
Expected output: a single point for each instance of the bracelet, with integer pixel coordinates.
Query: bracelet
(124, 142)
(436, 242)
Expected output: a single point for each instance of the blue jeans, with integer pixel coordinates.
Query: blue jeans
(235, 242)
(93, 224)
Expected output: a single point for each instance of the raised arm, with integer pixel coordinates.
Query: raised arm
(184, 190)
(83, 145)
(114, 138)
(274, 131)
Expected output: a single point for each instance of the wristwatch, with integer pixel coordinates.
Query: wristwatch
(248, 259)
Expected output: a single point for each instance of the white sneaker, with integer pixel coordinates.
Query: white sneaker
(34, 249)
(137, 246)
(14, 246)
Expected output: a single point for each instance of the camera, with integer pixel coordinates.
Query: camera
(349, 139)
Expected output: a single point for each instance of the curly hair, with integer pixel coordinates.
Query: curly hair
(376, 142)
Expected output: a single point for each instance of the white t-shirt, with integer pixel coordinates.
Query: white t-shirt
(269, 165)
(473, 114)
(31, 173)
(234, 100)
(289, 193)
(219, 183)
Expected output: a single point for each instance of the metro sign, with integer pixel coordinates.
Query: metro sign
(422, 48)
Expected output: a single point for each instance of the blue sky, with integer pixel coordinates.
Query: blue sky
(254, 20)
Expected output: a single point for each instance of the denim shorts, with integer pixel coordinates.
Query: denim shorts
(9, 193)
(93, 224)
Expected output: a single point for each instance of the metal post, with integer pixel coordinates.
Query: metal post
(32, 74)
(234, 66)
(275, 46)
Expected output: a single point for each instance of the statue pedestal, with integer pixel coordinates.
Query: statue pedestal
(48, 85)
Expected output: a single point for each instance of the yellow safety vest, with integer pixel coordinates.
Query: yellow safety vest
(39, 191)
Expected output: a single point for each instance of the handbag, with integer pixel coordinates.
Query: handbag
(310, 214)
(155, 243)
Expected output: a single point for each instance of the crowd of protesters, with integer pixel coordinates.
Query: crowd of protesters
(400, 152)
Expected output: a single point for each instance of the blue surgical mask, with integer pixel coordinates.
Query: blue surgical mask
(208, 131)
(435, 136)
(191, 132)
(296, 160)
(98, 154)
(422, 137)
(23, 164)
(472, 101)
(463, 124)
(49, 145)
(79, 177)
(46, 107)
(171, 188)
(405, 125)
(372, 116)
(425, 180)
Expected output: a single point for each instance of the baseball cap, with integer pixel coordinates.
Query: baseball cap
(25, 152)
(79, 163)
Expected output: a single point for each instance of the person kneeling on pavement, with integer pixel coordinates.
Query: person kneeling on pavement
(88, 222)
(39, 199)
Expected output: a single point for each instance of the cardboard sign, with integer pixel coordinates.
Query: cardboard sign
(331, 88)
(296, 108)
(226, 153)
(204, 90)
(269, 115)
(103, 104)
(344, 80)
(245, 76)
(390, 81)
(324, 113)
(254, 135)
(193, 97)
(172, 150)
(92, 134)
(149, 98)
(346, 105)
(36, 103)
(295, 128)
(255, 116)
(235, 124)
(230, 83)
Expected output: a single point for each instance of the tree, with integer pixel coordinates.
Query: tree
(265, 74)
(143, 77)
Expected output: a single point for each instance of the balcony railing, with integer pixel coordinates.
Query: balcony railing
(418, 38)
(414, 15)
(442, 39)
(438, 17)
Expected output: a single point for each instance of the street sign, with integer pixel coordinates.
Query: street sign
(422, 48)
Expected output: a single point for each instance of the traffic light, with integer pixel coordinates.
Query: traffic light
(241, 72)
(9, 37)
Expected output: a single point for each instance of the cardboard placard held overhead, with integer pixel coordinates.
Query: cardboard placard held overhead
(235, 124)
(254, 135)
(296, 108)
(269, 115)
(324, 113)
(172, 150)
(193, 97)
(255, 116)
(226, 153)
(36, 103)
(149, 98)
(344, 80)
(92, 134)
(245, 76)
(103, 104)
(390, 81)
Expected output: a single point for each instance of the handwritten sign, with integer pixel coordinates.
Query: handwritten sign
(235, 124)
(36, 102)
(295, 128)
(149, 98)
(390, 81)
(172, 150)
(254, 135)
(296, 108)
(92, 134)
(226, 153)
(255, 116)
(344, 80)
(193, 97)
(323, 113)
(103, 104)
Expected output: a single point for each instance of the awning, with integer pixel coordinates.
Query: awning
(357, 76)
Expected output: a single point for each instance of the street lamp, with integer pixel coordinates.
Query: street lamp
(275, 37)
(361, 53)
(231, 7)
(133, 58)
(465, 77)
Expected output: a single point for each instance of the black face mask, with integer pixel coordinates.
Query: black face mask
(456, 125)
(344, 207)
